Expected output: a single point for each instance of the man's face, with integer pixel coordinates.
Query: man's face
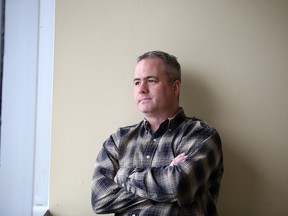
(152, 92)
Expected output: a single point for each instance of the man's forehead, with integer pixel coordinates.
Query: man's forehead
(149, 72)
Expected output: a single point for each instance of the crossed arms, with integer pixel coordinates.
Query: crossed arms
(116, 189)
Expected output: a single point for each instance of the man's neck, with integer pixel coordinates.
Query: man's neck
(156, 120)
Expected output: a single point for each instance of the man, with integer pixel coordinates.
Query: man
(168, 164)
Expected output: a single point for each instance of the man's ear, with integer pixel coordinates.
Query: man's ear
(177, 86)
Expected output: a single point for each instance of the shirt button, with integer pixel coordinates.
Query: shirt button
(154, 140)
(133, 215)
(148, 156)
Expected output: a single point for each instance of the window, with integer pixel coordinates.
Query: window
(26, 107)
(2, 22)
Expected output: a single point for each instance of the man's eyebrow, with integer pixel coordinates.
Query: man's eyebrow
(145, 78)
(136, 80)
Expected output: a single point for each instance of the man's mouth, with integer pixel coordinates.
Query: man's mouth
(144, 99)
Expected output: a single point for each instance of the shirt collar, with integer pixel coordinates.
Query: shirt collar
(170, 123)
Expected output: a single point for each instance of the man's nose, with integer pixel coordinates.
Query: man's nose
(143, 88)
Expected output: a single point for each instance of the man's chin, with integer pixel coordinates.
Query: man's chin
(144, 110)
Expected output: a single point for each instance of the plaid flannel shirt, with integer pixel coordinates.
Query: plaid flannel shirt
(132, 175)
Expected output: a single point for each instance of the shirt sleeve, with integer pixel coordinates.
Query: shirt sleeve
(107, 196)
(183, 182)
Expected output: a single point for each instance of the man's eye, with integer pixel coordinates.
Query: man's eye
(136, 83)
(151, 81)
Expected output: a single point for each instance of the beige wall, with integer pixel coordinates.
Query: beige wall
(235, 71)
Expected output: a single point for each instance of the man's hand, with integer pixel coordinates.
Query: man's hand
(122, 174)
(180, 158)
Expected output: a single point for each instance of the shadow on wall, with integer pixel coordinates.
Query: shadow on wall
(239, 189)
(240, 185)
(245, 190)
(196, 98)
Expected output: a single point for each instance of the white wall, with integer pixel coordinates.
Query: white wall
(234, 60)
(19, 108)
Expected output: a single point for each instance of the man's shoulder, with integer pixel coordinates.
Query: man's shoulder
(198, 121)
(199, 125)
(129, 128)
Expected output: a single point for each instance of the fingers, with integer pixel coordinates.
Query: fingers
(180, 158)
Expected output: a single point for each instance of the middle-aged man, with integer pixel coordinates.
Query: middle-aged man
(168, 164)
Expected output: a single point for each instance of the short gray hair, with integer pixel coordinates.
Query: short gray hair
(173, 68)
